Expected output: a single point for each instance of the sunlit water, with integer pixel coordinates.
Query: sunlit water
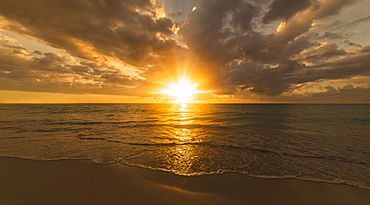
(329, 143)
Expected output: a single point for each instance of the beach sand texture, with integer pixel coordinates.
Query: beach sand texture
(82, 182)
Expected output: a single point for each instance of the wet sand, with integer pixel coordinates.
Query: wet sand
(82, 182)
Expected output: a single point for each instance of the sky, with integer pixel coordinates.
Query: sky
(252, 51)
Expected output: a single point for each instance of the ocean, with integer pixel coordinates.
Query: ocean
(322, 143)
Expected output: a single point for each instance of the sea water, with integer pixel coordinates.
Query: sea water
(326, 143)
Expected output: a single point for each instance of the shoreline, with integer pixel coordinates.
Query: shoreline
(25, 181)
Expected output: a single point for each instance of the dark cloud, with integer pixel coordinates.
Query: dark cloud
(261, 63)
(351, 66)
(330, 36)
(322, 53)
(352, 44)
(347, 94)
(277, 80)
(284, 9)
(263, 80)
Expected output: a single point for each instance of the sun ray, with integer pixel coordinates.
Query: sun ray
(183, 90)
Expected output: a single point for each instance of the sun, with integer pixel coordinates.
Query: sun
(183, 90)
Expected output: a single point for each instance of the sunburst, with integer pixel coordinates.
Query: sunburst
(183, 90)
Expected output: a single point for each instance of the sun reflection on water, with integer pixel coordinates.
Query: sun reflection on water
(183, 159)
(183, 156)
(185, 143)
(184, 114)
(180, 141)
(183, 120)
(183, 107)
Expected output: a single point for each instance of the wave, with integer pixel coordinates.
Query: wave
(225, 171)
(122, 160)
(255, 150)
(330, 158)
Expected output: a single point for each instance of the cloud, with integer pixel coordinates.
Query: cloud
(129, 30)
(330, 36)
(352, 44)
(51, 72)
(346, 94)
(322, 53)
(344, 68)
(364, 19)
(265, 48)
(267, 64)
(329, 94)
(284, 9)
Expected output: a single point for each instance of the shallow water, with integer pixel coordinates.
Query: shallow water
(328, 143)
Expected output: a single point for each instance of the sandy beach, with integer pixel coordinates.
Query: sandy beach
(82, 182)
(194, 102)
